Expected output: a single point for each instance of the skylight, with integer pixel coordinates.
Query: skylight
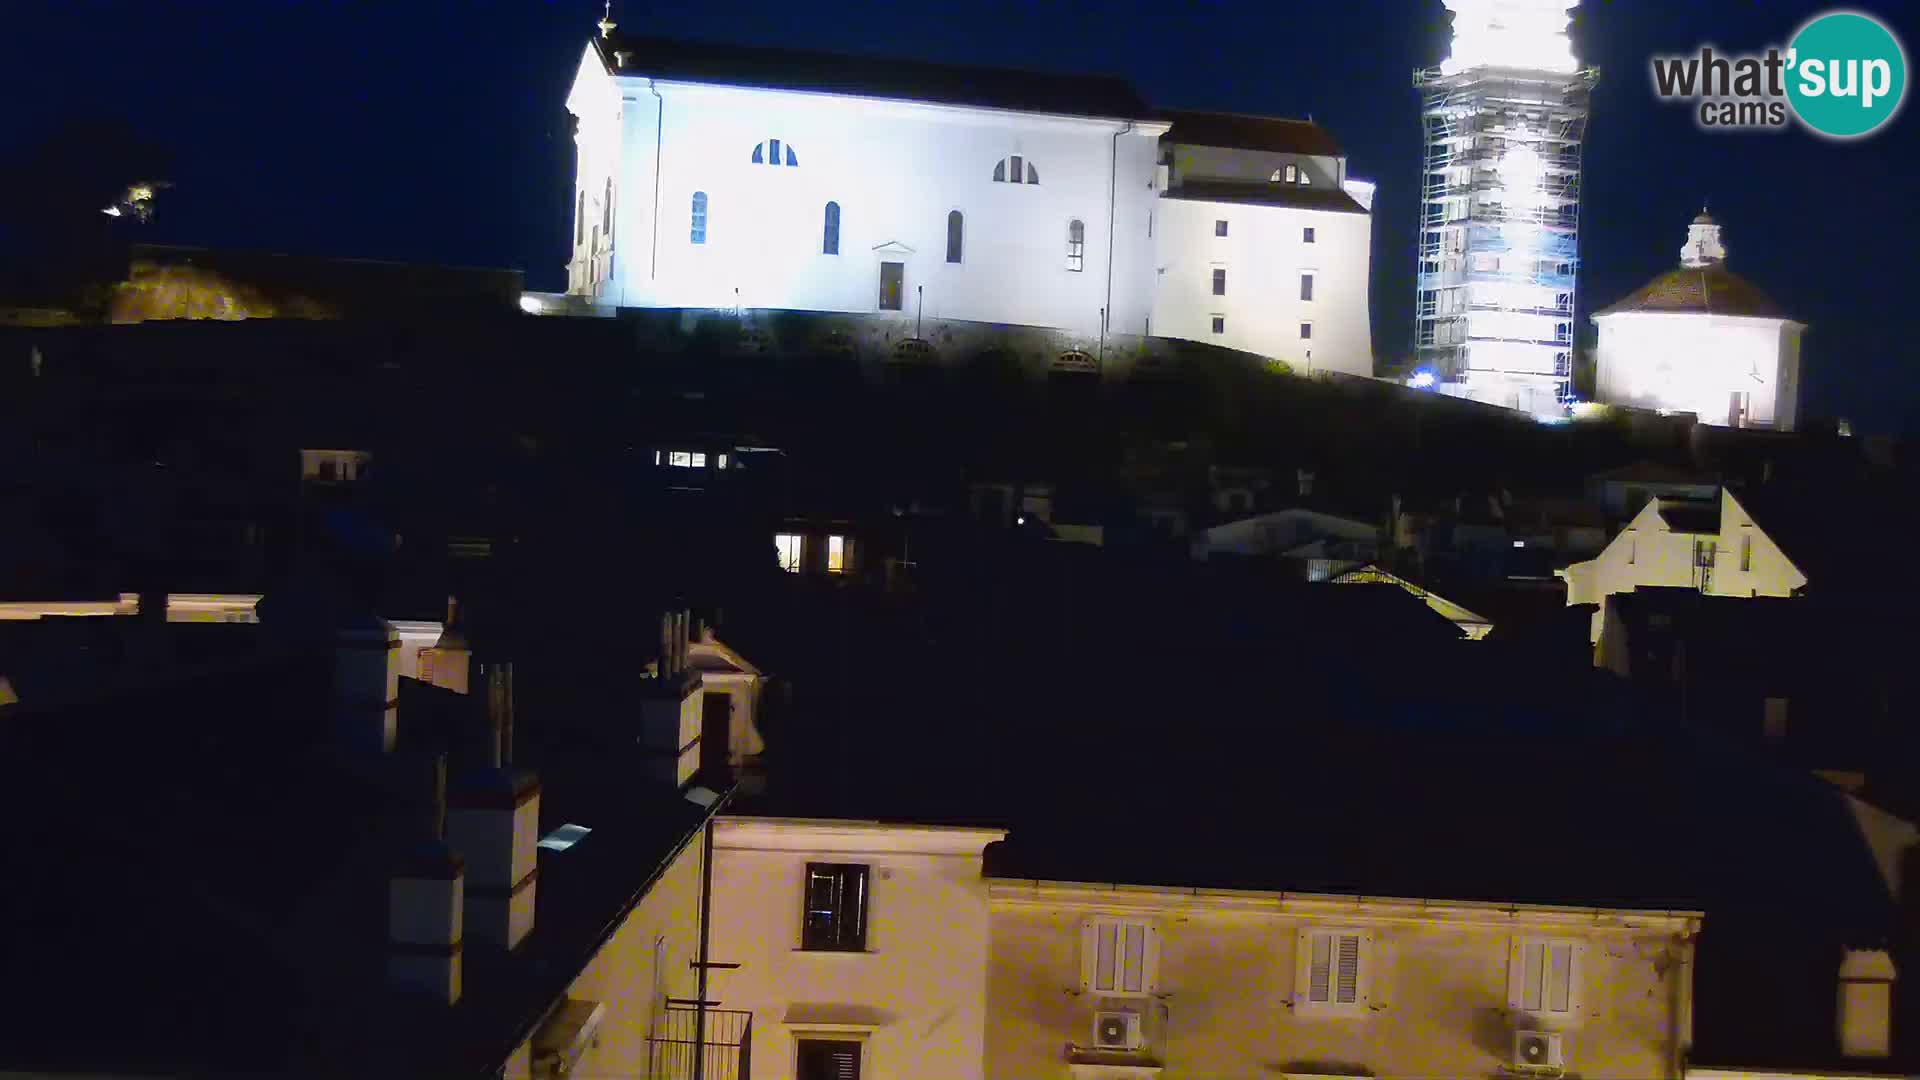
(564, 837)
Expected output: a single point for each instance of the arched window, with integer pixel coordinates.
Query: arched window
(1015, 170)
(699, 231)
(1076, 245)
(580, 219)
(955, 226)
(771, 151)
(830, 241)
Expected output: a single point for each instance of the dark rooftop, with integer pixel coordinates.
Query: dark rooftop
(873, 76)
(229, 867)
(1713, 290)
(1267, 194)
(1241, 132)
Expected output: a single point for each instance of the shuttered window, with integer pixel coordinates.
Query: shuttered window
(1119, 957)
(1332, 970)
(1542, 977)
(827, 1059)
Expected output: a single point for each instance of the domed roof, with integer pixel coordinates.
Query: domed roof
(1709, 290)
(1704, 218)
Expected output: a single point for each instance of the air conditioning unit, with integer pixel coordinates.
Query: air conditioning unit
(1118, 1031)
(1538, 1050)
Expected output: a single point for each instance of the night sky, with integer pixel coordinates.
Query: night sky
(437, 131)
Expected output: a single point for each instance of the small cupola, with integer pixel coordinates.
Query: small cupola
(1704, 246)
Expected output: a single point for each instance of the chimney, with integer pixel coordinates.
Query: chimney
(496, 682)
(680, 621)
(1865, 1017)
(425, 900)
(664, 671)
(670, 707)
(366, 683)
(448, 664)
(493, 821)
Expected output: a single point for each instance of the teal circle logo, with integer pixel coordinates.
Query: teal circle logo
(1847, 74)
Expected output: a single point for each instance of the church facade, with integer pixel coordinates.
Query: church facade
(720, 177)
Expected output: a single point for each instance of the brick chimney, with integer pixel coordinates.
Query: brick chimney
(366, 683)
(425, 906)
(1865, 1015)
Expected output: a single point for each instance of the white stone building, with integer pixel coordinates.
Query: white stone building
(1701, 339)
(712, 176)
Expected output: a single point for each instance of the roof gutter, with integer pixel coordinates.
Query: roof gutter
(1113, 201)
(659, 134)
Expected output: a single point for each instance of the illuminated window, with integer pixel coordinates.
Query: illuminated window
(790, 546)
(830, 242)
(1014, 170)
(680, 459)
(1306, 331)
(1331, 971)
(1219, 281)
(1219, 324)
(1293, 174)
(835, 918)
(836, 554)
(720, 461)
(699, 233)
(1540, 978)
(1306, 286)
(1076, 245)
(1219, 228)
(1275, 178)
(955, 226)
(1119, 958)
(1306, 235)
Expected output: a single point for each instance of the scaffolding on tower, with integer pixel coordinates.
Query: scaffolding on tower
(1499, 231)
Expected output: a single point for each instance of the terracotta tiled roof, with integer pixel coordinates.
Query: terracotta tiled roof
(1235, 131)
(1707, 289)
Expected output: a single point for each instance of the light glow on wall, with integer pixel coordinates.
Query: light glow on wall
(1527, 34)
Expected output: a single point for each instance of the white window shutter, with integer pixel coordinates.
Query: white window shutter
(1153, 960)
(1559, 981)
(1089, 942)
(1346, 974)
(1516, 973)
(1319, 967)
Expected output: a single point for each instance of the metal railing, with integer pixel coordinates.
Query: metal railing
(682, 1047)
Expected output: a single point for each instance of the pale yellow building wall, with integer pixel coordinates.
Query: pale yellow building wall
(916, 998)
(1647, 554)
(647, 960)
(1438, 997)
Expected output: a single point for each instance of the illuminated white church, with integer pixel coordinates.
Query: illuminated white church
(713, 176)
(1701, 339)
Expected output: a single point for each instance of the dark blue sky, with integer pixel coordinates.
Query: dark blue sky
(434, 130)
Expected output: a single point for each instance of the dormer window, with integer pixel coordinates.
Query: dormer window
(771, 153)
(1291, 174)
(1015, 170)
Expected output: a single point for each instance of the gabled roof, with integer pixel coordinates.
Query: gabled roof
(1711, 290)
(1242, 132)
(1297, 196)
(871, 76)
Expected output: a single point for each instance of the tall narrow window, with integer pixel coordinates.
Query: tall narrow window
(1013, 172)
(1076, 245)
(760, 154)
(1331, 975)
(836, 554)
(773, 151)
(955, 226)
(1033, 174)
(830, 240)
(1000, 171)
(699, 231)
(1219, 281)
(1293, 174)
(1306, 286)
(606, 213)
(792, 162)
(580, 219)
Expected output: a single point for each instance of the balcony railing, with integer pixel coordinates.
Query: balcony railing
(683, 1047)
